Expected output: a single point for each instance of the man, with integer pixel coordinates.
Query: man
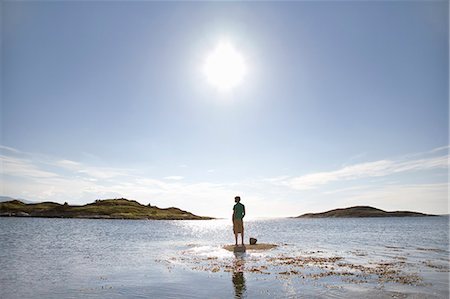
(238, 215)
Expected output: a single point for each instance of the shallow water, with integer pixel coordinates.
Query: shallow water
(72, 258)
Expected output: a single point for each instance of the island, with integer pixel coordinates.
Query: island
(120, 208)
(361, 211)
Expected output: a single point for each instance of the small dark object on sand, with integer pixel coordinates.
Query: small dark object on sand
(253, 241)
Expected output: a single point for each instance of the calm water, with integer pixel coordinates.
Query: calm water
(73, 258)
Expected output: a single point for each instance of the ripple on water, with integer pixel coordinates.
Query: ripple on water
(56, 258)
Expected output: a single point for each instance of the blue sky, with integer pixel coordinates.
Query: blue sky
(344, 103)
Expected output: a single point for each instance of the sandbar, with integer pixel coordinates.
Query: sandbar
(261, 246)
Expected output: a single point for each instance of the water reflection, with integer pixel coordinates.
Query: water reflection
(238, 278)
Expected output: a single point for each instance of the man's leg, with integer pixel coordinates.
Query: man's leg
(242, 235)
(235, 237)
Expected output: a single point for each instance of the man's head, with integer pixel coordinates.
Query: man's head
(237, 199)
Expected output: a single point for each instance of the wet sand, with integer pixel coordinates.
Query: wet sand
(246, 247)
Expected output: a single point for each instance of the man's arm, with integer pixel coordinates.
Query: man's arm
(243, 214)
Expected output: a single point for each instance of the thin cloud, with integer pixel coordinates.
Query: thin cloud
(362, 170)
(438, 149)
(10, 149)
(174, 177)
(348, 189)
(90, 171)
(18, 167)
(72, 165)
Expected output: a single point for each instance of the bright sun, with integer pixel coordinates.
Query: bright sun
(225, 67)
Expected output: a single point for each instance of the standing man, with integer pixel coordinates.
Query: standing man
(238, 215)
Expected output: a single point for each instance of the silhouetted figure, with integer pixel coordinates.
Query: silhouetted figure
(238, 277)
(238, 216)
(239, 284)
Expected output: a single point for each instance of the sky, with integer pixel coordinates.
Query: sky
(342, 104)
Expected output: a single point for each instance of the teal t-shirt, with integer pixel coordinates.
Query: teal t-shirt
(239, 210)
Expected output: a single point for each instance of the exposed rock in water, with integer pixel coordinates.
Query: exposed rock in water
(22, 214)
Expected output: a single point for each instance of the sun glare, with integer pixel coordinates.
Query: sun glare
(225, 67)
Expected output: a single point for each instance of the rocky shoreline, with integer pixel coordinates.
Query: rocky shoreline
(120, 208)
(360, 212)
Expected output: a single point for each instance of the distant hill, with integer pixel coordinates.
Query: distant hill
(100, 209)
(361, 211)
(7, 198)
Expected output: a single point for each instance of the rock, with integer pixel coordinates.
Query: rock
(253, 241)
(22, 214)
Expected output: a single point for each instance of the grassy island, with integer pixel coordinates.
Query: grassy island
(120, 208)
(361, 211)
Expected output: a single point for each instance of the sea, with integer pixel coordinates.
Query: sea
(314, 258)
